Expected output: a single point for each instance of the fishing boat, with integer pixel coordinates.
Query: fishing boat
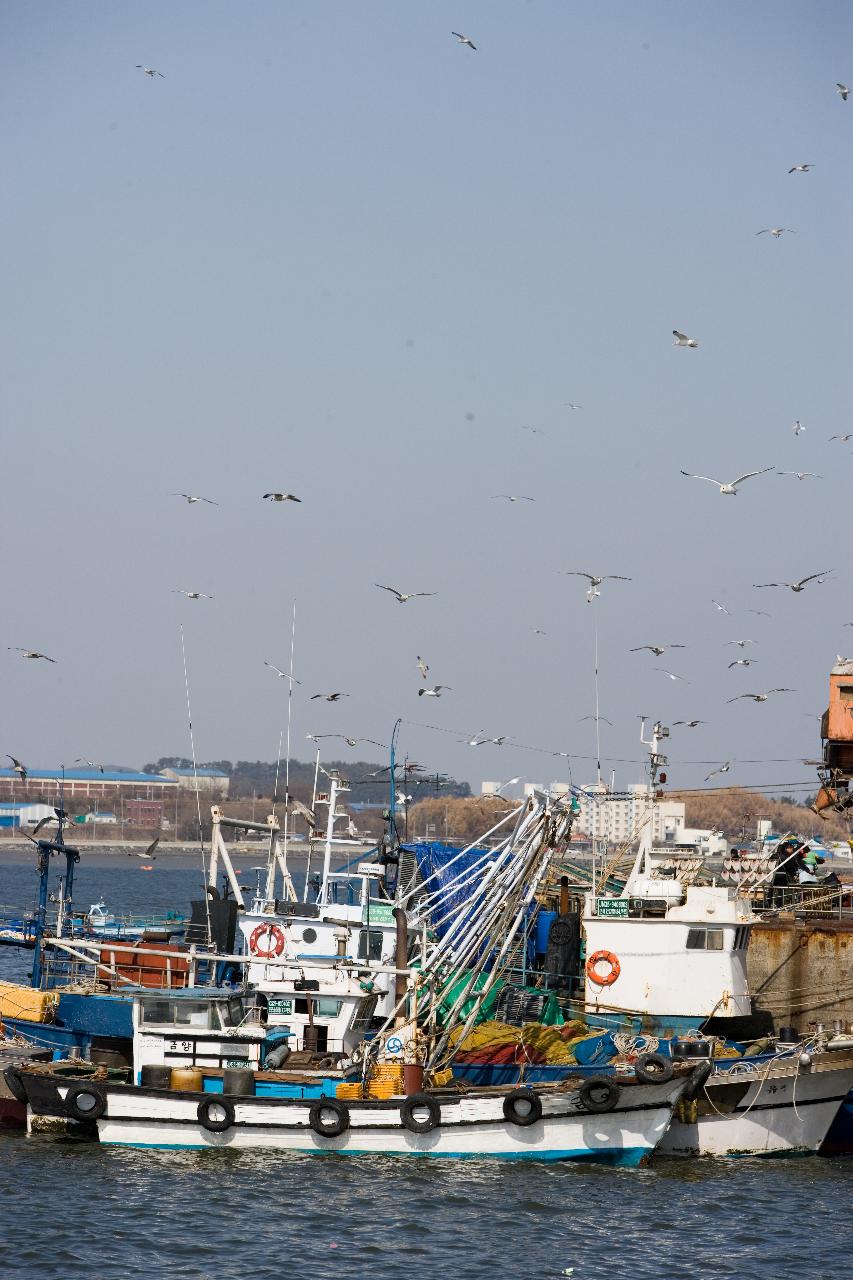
(784, 1106)
(567, 1123)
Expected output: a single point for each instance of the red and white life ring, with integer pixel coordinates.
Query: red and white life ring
(275, 941)
(605, 957)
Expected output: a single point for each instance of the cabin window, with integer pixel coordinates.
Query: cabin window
(741, 938)
(704, 939)
(364, 1013)
(845, 692)
(327, 1008)
(370, 944)
(177, 1013)
(233, 1013)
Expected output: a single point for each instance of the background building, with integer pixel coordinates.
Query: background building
(213, 781)
(87, 784)
(14, 813)
(621, 816)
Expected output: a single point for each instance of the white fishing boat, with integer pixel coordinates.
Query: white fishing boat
(782, 1107)
(593, 1120)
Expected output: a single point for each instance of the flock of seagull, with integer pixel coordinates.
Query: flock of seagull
(595, 581)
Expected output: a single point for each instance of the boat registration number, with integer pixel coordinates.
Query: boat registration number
(282, 1008)
(611, 907)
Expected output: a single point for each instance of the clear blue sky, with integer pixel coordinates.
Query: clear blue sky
(336, 253)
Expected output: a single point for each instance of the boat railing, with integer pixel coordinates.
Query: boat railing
(811, 901)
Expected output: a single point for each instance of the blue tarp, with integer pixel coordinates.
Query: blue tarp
(434, 861)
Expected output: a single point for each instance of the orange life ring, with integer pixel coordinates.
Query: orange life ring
(595, 959)
(276, 941)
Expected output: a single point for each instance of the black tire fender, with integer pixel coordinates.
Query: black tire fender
(14, 1085)
(522, 1107)
(420, 1102)
(698, 1076)
(329, 1117)
(598, 1094)
(85, 1102)
(653, 1068)
(211, 1123)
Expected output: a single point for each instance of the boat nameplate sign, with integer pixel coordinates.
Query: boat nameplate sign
(611, 907)
(279, 1007)
(379, 913)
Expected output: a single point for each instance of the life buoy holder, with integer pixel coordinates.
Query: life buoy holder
(597, 958)
(275, 937)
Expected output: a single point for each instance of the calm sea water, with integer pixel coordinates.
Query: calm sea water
(74, 1211)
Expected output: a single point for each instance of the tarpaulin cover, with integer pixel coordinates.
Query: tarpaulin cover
(433, 861)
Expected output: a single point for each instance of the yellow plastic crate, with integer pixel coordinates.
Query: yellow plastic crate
(438, 1079)
(387, 1071)
(349, 1091)
(385, 1088)
(23, 1002)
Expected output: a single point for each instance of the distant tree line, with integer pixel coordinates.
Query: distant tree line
(368, 780)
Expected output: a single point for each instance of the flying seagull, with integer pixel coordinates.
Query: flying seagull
(760, 613)
(690, 724)
(798, 428)
(149, 71)
(595, 581)
(90, 763)
(596, 718)
(329, 697)
(741, 643)
(843, 439)
(403, 596)
(721, 608)
(800, 168)
(282, 497)
(434, 692)
(759, 697)
(682, 340)
(731, 487)
(514, 497)
(302, 810)
(671, 674)
(724, 768)
(423, 667)
(30, 653)
(776, 232)
(742, 662)
(656, 649)
(537, 631)
(283, 675)
(149, 852)
(801, 475)
(496, 793)
(195, 497)
(463, 39)
(191, 595)
(799, 585)
(20, 769)
(842, 90)
(571, 405)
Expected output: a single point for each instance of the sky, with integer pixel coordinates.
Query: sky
(331, 251)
